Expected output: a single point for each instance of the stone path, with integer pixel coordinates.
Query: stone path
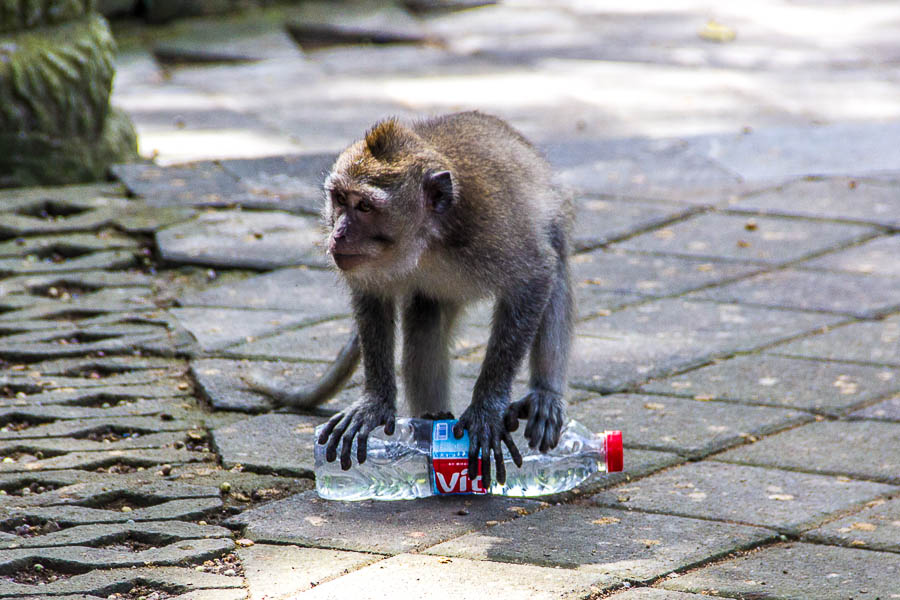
(739, 317)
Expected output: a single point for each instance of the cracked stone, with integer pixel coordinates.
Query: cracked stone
(218, 328)
(371, 526)
(798, 571)
(144, 457)
(77, 427)
(90, 280)
(197, 184)
(291, 183)
(188, 509)
(319, 342)
(859, 449)
(110, 259)
(97, 397)
(255, 240)
(772, 241)
(877, 342)
(889, 410)
(58, 247)
(680, 425)
(620, 544)
(829, 388)
(783, 500)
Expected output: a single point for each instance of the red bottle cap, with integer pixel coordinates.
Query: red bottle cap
(614, 455)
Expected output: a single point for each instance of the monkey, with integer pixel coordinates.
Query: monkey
(426, 217)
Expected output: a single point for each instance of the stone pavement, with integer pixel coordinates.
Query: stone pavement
(739, 316)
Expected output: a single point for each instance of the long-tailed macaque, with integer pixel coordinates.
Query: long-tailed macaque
(425, 218)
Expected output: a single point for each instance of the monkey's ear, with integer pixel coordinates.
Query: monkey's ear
(438, 188)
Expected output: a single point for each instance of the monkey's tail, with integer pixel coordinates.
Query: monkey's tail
(316, 393)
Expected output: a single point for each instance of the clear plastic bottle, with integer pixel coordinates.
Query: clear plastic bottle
(421, 460)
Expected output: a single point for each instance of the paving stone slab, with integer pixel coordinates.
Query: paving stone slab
(856, 148)
(89, 461)
(761, 239)
(221, 383)
(109, 259)
(91, 280)
(32, 450)
(841, 198)
(35, 381)
(188, 510)
(83, 427)
(875, 257)
(602, 220)
(152, 532)
(877, 343)
(783, 500)
(797, 571)
(373, 526)
(319, 342)
(102, 582)
(684, 426)
(167, 409)
(830, 388)
(611, 543)
(61, 246)
(632, 345)
(105, 364)
(876, 527)
(313, 293)
(254, 240)
(889, 410)
(855, 294)
(197, 184)
(55, 349)
(17, 199)
(860, 449)
(98, 396)
(217, 328)
(435, 578)
(291, 183)
(80, 557)
(655, 594)
(272, 443)
(643, 168)
(280, 572)
(650, 275)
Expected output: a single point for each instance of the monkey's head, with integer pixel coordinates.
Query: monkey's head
(385, 199)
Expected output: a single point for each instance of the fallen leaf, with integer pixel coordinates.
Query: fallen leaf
(654, 406)
(605, 521)
(862, 526)
(781, 497)
(650, 543)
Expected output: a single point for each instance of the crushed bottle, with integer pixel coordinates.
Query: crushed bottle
(423, 458)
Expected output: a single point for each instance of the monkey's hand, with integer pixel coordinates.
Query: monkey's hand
(486, 431)
(546, 414)
(358, 420)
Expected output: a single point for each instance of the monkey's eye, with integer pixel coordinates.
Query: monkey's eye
(339, 199)
(363, 206)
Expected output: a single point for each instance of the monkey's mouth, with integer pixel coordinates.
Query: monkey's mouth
(346, 262)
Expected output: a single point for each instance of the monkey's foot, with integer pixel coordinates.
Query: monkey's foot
(546, 414)
(441, 416)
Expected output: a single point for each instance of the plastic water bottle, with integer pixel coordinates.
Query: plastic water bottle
(423, 458)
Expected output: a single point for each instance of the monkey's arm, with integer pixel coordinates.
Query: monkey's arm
(314, 394)
(516, 318)
(375, 322)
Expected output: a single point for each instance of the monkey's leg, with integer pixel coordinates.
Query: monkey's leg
(427, 328)
(544, 406)
(375, 321)
(517, 316)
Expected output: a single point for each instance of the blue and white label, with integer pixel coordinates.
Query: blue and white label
(450, 462)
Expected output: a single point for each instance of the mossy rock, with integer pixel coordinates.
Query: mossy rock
(37, 159)
(16, 15)
(56, 80)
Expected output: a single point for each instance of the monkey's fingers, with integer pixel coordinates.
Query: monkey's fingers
(513, 450)
(516, 410)
(498, 458)
(347, 442)
(362, 443)
(458, 431)
(329, 427)
(485, 452)
(336, 433)
(537, 425)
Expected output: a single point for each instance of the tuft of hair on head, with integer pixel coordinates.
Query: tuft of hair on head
(388, 137)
